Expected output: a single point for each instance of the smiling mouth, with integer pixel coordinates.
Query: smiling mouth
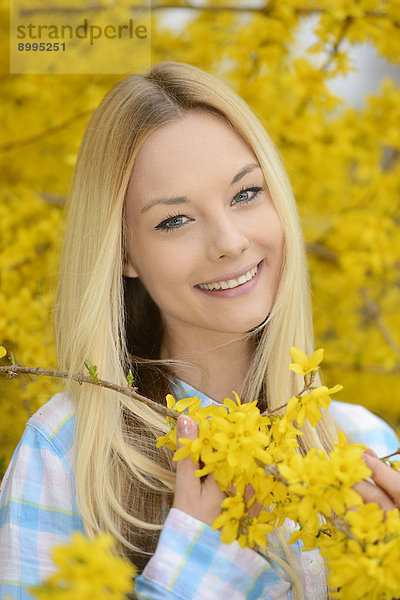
(231, 283)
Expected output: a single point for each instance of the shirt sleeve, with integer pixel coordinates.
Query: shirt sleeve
(37, 511)
(361, 426)
(191, 563)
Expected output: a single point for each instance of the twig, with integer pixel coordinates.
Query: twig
(364, 368)
(319, 250)
(345, 26)
(390, 455)
(373, 312)
(337, 522)
(271, 411)
(42, 134)
(335, 48)
(264, 10)
(131, 393)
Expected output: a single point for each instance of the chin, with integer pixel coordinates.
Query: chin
(259, 325)
(250, 324)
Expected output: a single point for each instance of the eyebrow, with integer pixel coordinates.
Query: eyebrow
(181, 199)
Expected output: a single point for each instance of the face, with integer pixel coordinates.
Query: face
(203, 234)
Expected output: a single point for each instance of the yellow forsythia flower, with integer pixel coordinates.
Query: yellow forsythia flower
(186, 404)
(302, 364)
(3, 351)
(254, 459)
(229, 520)
(87, 569)
(368, 567)
(307, 407)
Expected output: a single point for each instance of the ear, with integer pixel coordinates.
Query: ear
(129, 269)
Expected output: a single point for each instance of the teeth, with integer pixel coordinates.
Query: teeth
(231, 283)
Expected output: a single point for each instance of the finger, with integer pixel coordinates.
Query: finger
(187, 484)
(185, 428)
(372, 493)
(370, 452)
(386, 478)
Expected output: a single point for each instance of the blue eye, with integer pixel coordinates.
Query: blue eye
(245, 199)
(172, 223)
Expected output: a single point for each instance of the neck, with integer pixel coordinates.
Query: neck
(216, 367)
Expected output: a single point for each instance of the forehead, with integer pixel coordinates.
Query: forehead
(198, 145)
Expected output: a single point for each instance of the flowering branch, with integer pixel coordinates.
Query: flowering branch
(245, 450)
(127, 391)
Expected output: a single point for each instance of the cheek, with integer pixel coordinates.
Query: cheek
(165, 268)
(270, 234)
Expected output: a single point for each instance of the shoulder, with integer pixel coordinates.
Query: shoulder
(56, 418)
(50, 431)
(41, 472)
(54, 423)
(38, 507)
(364, 427)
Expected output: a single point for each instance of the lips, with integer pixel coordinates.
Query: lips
(230, 283)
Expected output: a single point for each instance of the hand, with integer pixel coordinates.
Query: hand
(386, 492)
(200, 499)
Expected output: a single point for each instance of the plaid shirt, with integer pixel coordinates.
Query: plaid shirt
(38, 510)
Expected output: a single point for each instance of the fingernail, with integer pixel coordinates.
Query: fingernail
(370, 452)
(367, 457)
(183, 425)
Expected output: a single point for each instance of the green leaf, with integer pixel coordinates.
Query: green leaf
(130, 378)
(92, 370)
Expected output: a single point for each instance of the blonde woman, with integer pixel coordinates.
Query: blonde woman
(183, 260)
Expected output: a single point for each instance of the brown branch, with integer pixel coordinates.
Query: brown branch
(337, 522)
(126, 391)
(158, 6)
(322, 252)
(342, 526)
(69, 10)
(42, 134)
(271, 411)
(307, 386)
(374, 313)
(391, 156)
(53, 199)
(390, 455)
(335, 48)
(26, 261)
(363, 368)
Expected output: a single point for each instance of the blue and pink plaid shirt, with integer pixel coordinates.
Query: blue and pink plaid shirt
(38, 510)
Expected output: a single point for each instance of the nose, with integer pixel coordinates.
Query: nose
(226, 239)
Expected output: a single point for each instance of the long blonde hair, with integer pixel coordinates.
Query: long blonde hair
(123, 484)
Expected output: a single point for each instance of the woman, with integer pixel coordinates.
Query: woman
(184, 260)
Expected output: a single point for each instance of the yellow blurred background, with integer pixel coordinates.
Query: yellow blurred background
(342, 159)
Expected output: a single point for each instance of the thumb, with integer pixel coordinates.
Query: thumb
(187, 485)
(185, 428)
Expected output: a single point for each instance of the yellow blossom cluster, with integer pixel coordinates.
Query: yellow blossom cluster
(365, 562)
(87, 569)
(254, 459)
(343, 162)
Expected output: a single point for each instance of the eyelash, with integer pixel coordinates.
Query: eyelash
(163, 226)
(254, 188)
